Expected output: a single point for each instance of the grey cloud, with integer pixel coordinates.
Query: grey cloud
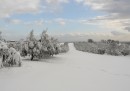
(110, 6)
(114, 9)
(11, 7)
(127, 28)
(13, 21)
(116, 33)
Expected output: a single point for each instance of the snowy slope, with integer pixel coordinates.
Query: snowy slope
(73, 71)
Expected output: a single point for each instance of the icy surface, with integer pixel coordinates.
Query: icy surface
(73, 71)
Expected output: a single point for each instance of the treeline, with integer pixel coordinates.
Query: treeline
(110, 47)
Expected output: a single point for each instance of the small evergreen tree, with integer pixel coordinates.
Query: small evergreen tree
(0, 35)
(31, 36)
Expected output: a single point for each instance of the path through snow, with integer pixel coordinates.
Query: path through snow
(73, 71)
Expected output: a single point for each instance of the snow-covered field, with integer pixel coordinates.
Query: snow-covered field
(73, 71)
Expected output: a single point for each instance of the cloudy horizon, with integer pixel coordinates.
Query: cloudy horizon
(67, 20)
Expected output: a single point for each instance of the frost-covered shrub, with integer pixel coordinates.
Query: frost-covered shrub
(112, 48)
(125, 52)
(90, 41)
(3, 46)
(64, 47)
(101, 51)
(124, 49)
(109, 47)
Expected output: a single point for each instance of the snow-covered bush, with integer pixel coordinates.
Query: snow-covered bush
(101, 51)
(112, 48)
(90, 41)
(64, 47)
(109, 47)
(10, 56)
(125, 52)
(3, 44)
(124, 49)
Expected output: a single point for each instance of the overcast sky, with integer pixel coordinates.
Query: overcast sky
(66, 19)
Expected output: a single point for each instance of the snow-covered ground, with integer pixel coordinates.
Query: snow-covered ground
(73, 71)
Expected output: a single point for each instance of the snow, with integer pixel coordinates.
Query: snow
(72, 71)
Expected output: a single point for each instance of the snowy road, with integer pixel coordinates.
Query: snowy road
(73, 71)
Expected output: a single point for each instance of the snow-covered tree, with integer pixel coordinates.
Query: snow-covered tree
(31, 36)
(44, 47)
(45, 38)
(1, 36)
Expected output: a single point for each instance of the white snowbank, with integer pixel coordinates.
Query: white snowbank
(73, 71)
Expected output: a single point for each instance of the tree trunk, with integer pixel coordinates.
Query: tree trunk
(32, 56)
